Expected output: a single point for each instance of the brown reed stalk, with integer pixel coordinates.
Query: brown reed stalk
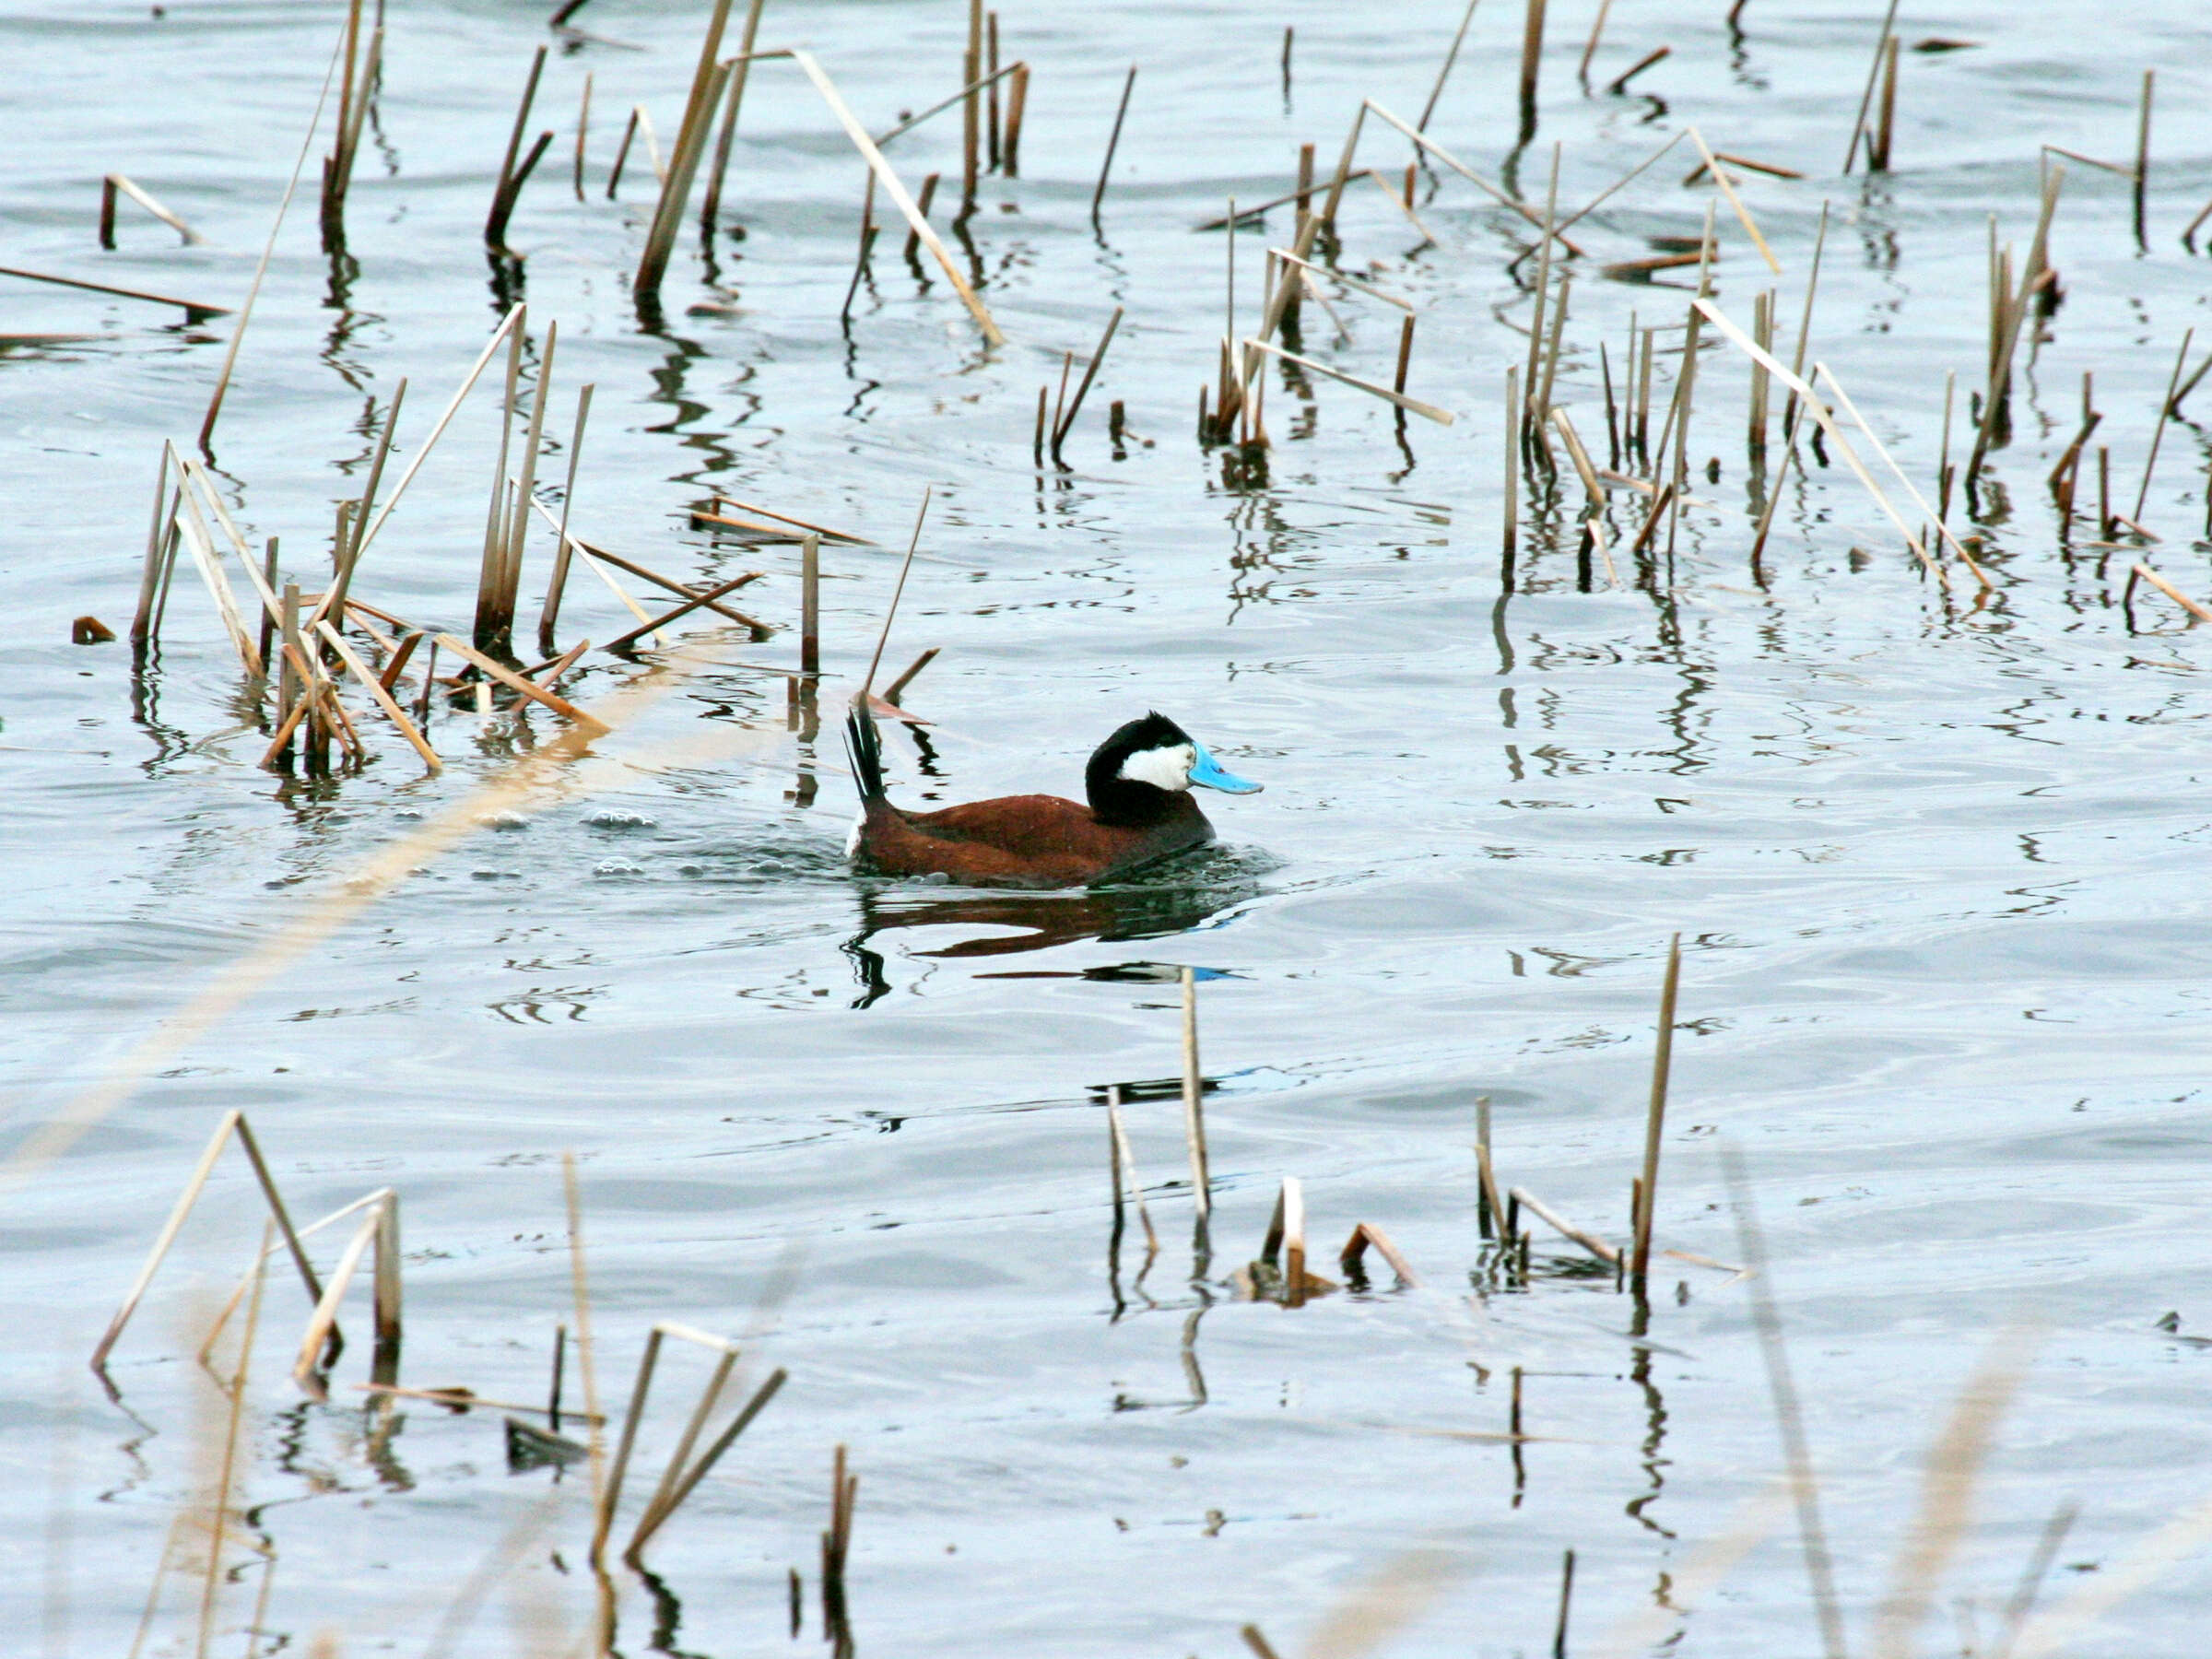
(2001, 370)
(1878, 147)
(810, 605)
(972, 70)
(2142, 170)
(655, 1518)
(1512, 468)
(1655, 1116)
(2158, 433)
(1789, 1418)
(1061, 428)
(1365, 1236)
(1287, 1238)
(508, 325)
(710, 207)
(353, 112)
(1619, 83)
(1451, 57)
(1193, 1106)
(991, 114)
(583, 126)
(508, 185)
(1113, 141)
(1532, 51)
(928, 194)
(315, 1341)
(1582, 70)
(376, 690)
(1804, 329)
(898, 591)
(1559, 1634)
(1943, 472)
(707, 81)
(1411, 404)
(1528, 419)
(1489, 1212)
(142, 630)
(1551, 347)
(1017, 100)
(1743, 214)
(1911, 490)
(559, 580)
(1762, 334)
(1643, 400)
(1881, 49)
(1124, 1175)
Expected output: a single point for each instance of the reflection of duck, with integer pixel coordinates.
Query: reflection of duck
(1046, 920)
(1139, 784)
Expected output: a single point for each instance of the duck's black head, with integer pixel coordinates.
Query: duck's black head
(1143, 773)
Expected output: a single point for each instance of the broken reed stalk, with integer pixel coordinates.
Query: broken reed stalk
(2142, 170)
(508, 324)
(1743, 214)
(115, 184)
(1090, 370)
(378, 1228)
(1655, 1115)
(1529, 420)
(1451, 57)
(1018, 99)
(1789, 1418)
(559, 580)
(353, 112)
(972, 70)
(1512, 517)
(991, 77)
(1762, 334)
(1881, 48)
(235, 1389)
(891, 611)
(837, 1544)
(2167, 588)
(1489, 1212)
(1619, 83)
(707, 81)
(2158, 433)
(511, 178)
(1804, 329)
(1364, 1236)
(1596, 1246)
(1413, 405)
(1112, 142)
(1193, 1107)
(711, 208)
(657, 1516)
(1558, 1635)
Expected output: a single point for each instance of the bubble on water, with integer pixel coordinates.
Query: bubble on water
(503, 820)
(617, 869)
(610, 818)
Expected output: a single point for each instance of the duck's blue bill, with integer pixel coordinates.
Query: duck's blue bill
(1207, 773)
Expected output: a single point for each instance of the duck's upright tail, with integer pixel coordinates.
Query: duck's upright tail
(864, 753)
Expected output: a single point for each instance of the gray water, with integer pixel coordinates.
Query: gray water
(1937, 864)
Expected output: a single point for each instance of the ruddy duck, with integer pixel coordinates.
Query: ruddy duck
(1139, 783)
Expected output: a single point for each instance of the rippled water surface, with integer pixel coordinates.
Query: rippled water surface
(1936, 855)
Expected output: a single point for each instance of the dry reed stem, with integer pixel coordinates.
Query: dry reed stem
(458, 1399)
(1929, 513)
(891, 692)
(1474, 178)
(1946, 1491)
(324, 1320)
(897, 193)
(1287, 1238)
(1582, 70)
(2173, 592)
(1090, 372)
(102, 288)
(115, 184)
(1655, 1115)
(557, 582)
(656, 1519)
(2052, 1631)
(980, 85)
(232, 1123)
(1194, 1100)
(1113, 141)
(1812, 402)
(1353, 283)
(438, 427)
(1414, 404)
(580, 1291)
(1743, 213)
(681, 1457)
(1451, 57)
(588, 725)
(1124, 1173)
(1618, 85)
(375, 688)
(2180, 359)
(740, 68)
(1356, 1248)
(1625, 179)
(1858, 126)
(785, 518)
(200, 544)
(340, 901)
(695, 602)
(1566, 1228)
(245, 1282)
(1251, 1633)
(707, 81)
(245, 311)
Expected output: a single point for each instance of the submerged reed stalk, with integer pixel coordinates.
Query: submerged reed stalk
(511, 178)
(113, 184)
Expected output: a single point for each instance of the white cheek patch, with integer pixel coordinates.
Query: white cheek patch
(1167, 769)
